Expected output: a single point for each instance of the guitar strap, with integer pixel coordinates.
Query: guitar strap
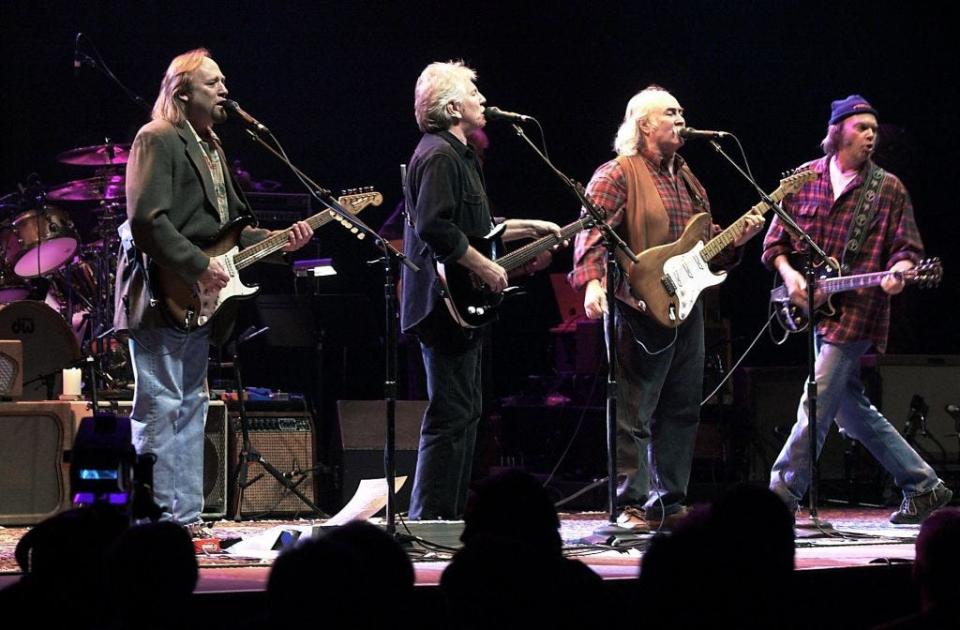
(863, 215)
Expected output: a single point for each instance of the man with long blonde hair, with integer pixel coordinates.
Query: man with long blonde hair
(180, 194)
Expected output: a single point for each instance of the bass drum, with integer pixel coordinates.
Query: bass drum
(49, 346)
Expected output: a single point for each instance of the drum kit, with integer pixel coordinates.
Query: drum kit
(50, 262)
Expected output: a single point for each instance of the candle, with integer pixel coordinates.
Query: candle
(71, 382)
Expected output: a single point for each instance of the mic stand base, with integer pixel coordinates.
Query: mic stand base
(813, 522)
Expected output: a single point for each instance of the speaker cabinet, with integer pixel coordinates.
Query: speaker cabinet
(215, 445)
(33, 476)
(285, 440)
(11, 368)
(363, 435)
(936, 378)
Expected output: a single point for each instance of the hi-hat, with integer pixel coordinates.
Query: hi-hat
(97, 155)
(92, 189)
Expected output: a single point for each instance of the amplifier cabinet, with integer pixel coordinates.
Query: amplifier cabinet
(285, 439)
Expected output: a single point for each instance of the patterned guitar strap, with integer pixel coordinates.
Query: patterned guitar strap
(863, 215)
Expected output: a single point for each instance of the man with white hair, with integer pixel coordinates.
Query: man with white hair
(649, 195)
(447, 203)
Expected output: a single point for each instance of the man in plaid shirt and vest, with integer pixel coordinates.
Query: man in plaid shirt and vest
(826, 209)
(649, 194)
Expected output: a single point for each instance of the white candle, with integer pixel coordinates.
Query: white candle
(71, 382)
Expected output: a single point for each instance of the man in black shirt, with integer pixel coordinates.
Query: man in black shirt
(447, 204)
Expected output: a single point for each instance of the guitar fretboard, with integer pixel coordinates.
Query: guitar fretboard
(528, 252)
(262, 249)
(725, 238)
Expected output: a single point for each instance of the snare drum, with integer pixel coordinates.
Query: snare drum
(38, 241)
(48, 344)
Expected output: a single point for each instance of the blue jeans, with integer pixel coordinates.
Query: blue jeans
(169, 412)
(658, 408)
(448, 432)
(840, 399)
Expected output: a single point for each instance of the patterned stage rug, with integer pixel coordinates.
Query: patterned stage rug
(853, 527)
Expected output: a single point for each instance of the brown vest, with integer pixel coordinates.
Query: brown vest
(645, 221)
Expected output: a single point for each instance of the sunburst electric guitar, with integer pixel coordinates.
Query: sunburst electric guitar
(796, 319)
(187, 307)
(669, 278)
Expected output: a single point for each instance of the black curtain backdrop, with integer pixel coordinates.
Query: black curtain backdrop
(334, 81)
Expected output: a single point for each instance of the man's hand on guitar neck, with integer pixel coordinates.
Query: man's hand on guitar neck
(299, 234)
(213, 278)
(893, 282)
(489, 272)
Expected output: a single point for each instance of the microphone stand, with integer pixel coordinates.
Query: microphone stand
(248, 454)
(391, 317)
(612, 242)
(814, 253)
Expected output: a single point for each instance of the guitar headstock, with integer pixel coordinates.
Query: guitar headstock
(353, 201)
(793, 182)
(927, 273)
(356, 199)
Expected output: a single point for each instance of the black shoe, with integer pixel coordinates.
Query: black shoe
(916, 508)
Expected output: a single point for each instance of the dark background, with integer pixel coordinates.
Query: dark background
(334, 81)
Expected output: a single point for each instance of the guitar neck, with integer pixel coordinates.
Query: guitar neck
(525, 254)
(276, 242)
(722, 240)
(353, 203)
(859, 281)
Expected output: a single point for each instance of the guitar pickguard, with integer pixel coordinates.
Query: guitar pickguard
(688, 274)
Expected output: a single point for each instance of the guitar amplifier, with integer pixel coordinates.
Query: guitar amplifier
(215, 464)
(279, 210)
(285, 440)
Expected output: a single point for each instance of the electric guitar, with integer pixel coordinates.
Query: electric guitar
(187, 307)
(470, 301)
(796, 319)
(669, 278)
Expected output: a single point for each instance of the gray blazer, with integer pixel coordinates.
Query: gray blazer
(171, 208)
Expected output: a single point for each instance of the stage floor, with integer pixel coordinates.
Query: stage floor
(860, 537)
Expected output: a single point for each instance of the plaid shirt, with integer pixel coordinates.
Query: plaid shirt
(892, 236)
(608, 190)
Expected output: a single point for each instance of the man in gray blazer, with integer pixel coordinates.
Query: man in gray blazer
(180, 194)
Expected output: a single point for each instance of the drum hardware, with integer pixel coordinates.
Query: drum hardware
(97, 188)
(108, 154)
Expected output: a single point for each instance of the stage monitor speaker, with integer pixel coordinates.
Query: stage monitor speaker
(285, 439)
(11, 368)
(363, 434)
(215, 446)
(33, 476)
(936, 378)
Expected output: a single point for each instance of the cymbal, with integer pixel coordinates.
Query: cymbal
(92, 189)
(97, 155)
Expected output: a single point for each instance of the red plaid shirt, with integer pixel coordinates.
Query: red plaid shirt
(892, 236)
(608, 190)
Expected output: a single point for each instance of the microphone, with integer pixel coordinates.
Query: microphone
(233, 108)
(690, 133)
(495, 113)
(76, 56)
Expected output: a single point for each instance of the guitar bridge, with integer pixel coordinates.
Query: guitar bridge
(668, 284)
